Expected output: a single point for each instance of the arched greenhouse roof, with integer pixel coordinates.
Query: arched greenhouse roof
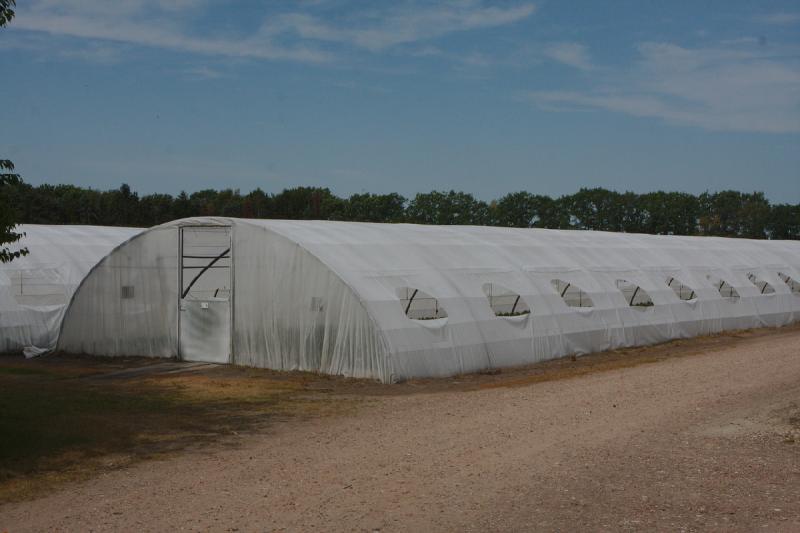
(395, 301)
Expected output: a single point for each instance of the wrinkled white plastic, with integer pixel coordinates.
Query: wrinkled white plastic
(326, 296)
(35, 289)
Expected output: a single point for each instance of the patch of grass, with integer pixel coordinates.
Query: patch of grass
(22, 371)
(57, 425)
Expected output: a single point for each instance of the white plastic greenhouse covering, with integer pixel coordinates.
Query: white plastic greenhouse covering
(35, 289)
(398, 301)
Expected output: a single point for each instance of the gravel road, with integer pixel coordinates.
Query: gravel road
(705, 442)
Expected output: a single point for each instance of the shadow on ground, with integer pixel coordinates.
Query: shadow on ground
(69, 418)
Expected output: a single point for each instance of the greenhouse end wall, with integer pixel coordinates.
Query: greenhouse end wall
(290, 312)
(127, 304)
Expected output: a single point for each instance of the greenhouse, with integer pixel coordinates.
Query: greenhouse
(35, 289)
(400, 301)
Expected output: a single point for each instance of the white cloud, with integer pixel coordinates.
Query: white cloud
(293, 36)
(132, 22)
(723, 88)
(402, 23)
(427, 51)
(202, 73)
(742, 40)
(460, 61)
(93, 53)
(779, 18)
(118, 9)
(572, 54)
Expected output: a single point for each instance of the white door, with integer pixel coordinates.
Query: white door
(205, 301)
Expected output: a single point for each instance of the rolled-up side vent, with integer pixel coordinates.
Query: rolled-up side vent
(725, 289)
(635, 296)
(793, 284)
(419, 305)
(505, 302)
(682, 291)
(763, 286)
(572, 295)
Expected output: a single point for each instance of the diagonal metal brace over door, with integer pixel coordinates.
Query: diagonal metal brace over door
(203, 271)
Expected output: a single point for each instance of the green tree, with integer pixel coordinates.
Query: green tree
(784, 222)
(227, 202)
(669, 213)
(552, 213)
(257, 204)
(718, 212)
(632, 213)
(8, 178)
(156, 209)
(6, 11)
(734, 214)
(447, 208)
(754, 216)
(182, 206)
(525, 210)
(8, 215)
(309, 203)
(516, 210)
(727, 213)
(375, 207)
(596, 209)
(121, 207)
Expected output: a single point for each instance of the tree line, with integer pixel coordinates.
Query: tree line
(723, 213)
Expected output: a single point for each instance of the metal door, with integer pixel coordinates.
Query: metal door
(205, 271)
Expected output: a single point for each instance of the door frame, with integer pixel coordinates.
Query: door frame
(179, 269)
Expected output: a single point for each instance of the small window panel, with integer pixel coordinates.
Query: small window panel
(634, 295)
(419, 305)
(763, 286)
(682, 291)
(505, 302)
(127, 292)
(793, 284)
(725, 289)
(572, 295)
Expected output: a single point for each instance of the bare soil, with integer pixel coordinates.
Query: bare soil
(706, 436)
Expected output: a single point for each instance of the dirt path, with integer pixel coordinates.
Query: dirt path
(694, 443)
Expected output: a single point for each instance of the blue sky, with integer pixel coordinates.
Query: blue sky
(485, 97)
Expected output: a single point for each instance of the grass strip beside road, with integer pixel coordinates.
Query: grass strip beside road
(59, 422)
